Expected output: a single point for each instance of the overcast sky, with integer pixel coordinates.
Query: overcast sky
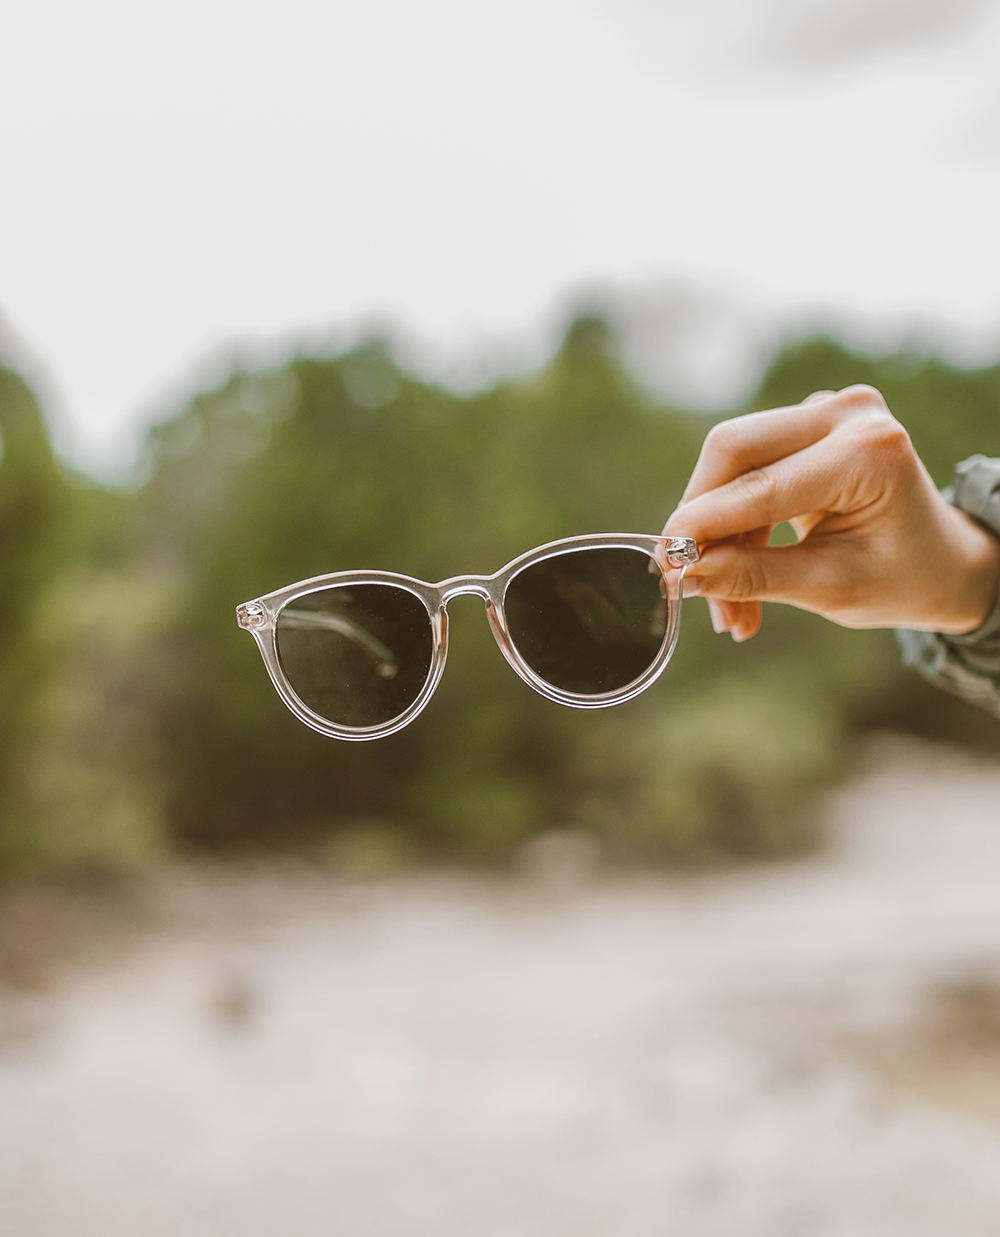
(178, 179)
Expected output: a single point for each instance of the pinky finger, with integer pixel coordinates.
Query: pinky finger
(747, 620)
(740, 618)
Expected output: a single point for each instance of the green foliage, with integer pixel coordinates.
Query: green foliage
(336, 463)
(78, 745)
(306, 471)
(88, 793)
(31, 501)
(135, 714)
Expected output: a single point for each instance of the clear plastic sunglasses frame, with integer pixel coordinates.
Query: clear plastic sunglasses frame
(671, 555)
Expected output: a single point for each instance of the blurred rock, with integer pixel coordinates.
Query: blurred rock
(560, 860)
(235, 1003)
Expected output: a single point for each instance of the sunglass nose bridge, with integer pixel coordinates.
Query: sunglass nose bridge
(474, 586)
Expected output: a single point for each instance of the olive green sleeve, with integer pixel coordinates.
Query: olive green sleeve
(967, 665)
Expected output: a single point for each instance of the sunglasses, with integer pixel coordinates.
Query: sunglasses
(587, 622)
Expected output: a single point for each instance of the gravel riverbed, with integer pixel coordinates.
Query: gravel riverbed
(809, 1049)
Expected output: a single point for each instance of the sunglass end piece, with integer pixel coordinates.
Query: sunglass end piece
(251, 616)
(681, 551)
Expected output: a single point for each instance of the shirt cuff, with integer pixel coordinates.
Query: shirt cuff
(967, 665)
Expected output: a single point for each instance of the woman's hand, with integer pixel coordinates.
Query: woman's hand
(877, 544)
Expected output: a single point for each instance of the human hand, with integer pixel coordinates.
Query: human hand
(877, 544)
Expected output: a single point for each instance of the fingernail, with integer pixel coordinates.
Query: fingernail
(718, 622)
(692, 586)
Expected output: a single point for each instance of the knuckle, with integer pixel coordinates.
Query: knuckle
(757, 488)
(861, 398)
(747, 581)
(889, 434)
(725, 437)
(882, 438)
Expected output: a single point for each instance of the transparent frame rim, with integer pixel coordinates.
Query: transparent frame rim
(673, 555)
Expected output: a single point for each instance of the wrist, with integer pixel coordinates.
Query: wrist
(977, 580)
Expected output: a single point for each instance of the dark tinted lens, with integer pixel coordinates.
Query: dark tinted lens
(357, 655)
(589, 621)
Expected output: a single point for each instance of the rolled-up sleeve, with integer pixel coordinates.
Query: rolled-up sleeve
(967, 665)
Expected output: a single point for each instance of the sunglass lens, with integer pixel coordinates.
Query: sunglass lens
(359, 654)
(588, 621)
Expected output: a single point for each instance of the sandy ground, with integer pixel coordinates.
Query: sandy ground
(809, 1049)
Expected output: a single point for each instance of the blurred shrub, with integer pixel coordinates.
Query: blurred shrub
(285, 475)
(79, 757)
(144, 713)
(32, 507)
(730, 770)
(89, 791)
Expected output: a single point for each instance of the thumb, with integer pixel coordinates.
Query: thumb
(740, 572)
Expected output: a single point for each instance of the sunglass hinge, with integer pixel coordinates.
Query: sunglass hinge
(251, 616)
(681, 551)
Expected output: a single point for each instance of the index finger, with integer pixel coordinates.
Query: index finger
(751, 442)
(807, 481)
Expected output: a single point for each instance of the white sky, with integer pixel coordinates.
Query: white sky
(178, 179)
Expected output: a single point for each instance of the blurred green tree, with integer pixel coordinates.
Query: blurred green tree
(32, 503)
(134, 710)
(79, 786)
(330, 464)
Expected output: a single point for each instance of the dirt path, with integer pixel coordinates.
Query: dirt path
(805, 1050)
